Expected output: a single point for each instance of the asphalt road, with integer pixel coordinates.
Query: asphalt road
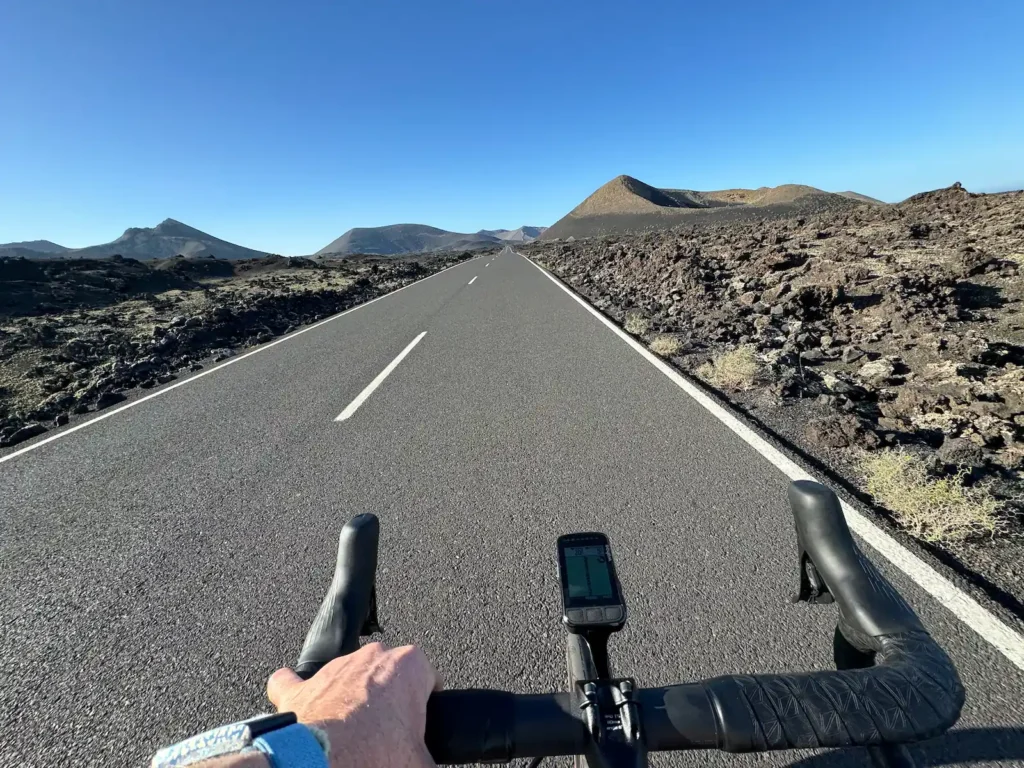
(156, 566)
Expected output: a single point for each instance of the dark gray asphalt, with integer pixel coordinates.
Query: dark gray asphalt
(155, 567)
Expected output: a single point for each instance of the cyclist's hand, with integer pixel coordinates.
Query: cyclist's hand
(372, 703)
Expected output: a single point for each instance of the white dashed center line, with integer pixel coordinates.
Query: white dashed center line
(361, 397)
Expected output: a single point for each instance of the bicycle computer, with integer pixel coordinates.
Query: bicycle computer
(591, 595)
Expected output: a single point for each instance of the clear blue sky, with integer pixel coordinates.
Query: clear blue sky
(279, 125)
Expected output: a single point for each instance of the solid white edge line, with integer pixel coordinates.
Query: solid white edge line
(963, 606)
(473, 280)
(378, 380)
(232, 361)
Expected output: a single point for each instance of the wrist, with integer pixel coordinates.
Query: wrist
(352, 742)
(267, 741)
(238, 760)
(337, 733)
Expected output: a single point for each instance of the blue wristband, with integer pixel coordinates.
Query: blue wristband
(294, 746)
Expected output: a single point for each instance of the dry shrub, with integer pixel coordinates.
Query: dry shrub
(933, 509)
(636, 324)
(666, 346)
(737, 369)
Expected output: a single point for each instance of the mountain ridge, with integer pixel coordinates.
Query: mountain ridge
(627, 204)
(396, 239)
(167, 239)
(37, 246)
(524, 234)
(172, 237)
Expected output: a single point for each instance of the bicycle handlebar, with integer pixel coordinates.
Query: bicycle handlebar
(904, 687)
(349, 608)
(900, 701)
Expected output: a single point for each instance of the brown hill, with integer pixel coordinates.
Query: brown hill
(624, 194)
(787, 193)
(784, 193)
(626, 204)
(862, 198)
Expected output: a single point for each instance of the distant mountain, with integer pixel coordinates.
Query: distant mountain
(38, 246)
(169, 238)
(419, 238)
(521, 235)
(17, 252)
(626, 204)
(862, 198)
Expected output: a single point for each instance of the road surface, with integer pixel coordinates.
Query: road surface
(157, 565)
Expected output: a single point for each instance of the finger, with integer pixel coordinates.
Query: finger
(281, 686)
(373, 648)
(438, 680)
(414, 656)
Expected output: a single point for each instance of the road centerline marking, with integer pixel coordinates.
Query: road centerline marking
(964, 607)
(473, 280)
(369, 390)
(231, 361)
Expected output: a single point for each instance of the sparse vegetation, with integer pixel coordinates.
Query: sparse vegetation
(636, 324)
(665, 345)
(935, 509)
(737, 369)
